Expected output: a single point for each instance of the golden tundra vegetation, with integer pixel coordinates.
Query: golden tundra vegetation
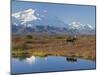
(44, 45)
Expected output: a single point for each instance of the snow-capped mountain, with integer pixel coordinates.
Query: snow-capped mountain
(25, 16)
(82, 28)
(33, 21)
(78, 25)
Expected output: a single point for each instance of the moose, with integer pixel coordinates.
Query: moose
(70, 59)
(71, 39)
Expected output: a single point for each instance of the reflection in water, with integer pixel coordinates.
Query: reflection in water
(71, 59)
(31, 60)
(45, 58)
(49, 63)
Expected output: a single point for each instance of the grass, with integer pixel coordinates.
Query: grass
(45, 45)
(40, 54)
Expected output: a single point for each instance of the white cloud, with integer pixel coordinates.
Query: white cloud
(26, 15)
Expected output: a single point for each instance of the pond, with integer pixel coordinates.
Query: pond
(36, 64)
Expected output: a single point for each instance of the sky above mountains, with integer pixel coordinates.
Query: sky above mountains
(67, 13)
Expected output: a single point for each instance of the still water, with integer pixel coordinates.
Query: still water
(50, 63)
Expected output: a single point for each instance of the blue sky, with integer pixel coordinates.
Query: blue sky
(66, 12)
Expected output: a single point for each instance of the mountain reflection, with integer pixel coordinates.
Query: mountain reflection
(31, 59)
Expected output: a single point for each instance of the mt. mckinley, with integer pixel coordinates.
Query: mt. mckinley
(33, 21)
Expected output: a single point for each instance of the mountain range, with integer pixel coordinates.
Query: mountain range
(32, 21)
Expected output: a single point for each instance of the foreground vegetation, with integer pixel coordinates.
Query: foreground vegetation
(44, 45)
